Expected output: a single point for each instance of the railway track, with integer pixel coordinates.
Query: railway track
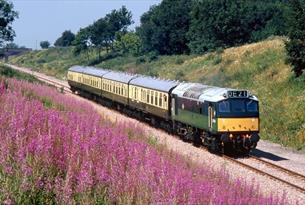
(291, 174)
(292, 179)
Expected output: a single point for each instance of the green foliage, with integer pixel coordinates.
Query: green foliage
(163, 28)
(128, 43)
(81, 41)
(11, 45)
(65, 40)
(152, 140)
(7, 17)
(225, 23)
(102, 33)
(10, 73)
(44, 44)
(295, 46)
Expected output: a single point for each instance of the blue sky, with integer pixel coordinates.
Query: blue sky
(46, 19)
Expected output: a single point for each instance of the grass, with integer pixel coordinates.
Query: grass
(10, 73)
(258, 67)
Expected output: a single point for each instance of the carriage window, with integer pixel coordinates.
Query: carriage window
(135, 93)
(147, 96)
(165, 101)
(156, 98)
(144, 95)
(151, 97)
(160, 99)
(224, 106)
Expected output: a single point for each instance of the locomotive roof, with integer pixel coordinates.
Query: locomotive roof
(119, 76)
(154, 83)
(202, 92)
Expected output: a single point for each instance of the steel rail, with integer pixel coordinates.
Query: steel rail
(288, 171)
(301, 189)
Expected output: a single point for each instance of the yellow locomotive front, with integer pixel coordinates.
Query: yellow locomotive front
(238, 121)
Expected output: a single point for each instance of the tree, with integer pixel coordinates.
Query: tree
(295, 46)
(164, 27)
(128, 43)
(7, 16)
(82, 41)
(103, 31)
(65, 40)
(11, 45)
(44, 44)
(226, 23)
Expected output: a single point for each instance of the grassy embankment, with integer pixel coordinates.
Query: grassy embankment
(9, 73)
(259, 67)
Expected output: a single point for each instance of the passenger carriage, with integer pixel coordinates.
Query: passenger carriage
(151, 95)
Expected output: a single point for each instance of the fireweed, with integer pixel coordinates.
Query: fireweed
(55, 149)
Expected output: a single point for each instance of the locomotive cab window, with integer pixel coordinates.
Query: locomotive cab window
(238, 105)
(252, 106)
(224, 106)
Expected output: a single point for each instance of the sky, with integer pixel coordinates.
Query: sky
(41, 20)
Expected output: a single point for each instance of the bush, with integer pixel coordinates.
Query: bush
(152, 56)
(140, 60)
(179, 61)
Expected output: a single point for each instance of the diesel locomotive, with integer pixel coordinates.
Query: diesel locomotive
(219, 118)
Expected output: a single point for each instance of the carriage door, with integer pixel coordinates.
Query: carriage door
(210, 116)
(173, 108)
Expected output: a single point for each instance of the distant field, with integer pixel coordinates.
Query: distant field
(259, 67)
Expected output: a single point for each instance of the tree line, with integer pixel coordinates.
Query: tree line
(186, 27)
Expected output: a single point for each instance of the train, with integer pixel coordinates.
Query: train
(222, 119)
